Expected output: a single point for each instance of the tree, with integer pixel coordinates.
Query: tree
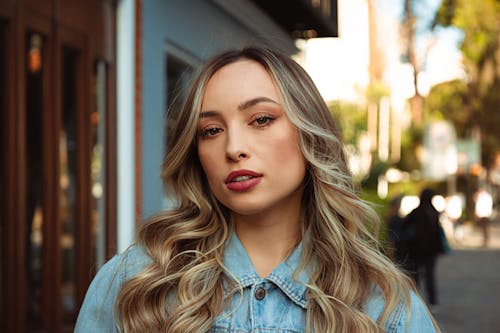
(409, 20)
(351, 118)
(448, 100)
(414, 55)
(418, 39)
(480, 22)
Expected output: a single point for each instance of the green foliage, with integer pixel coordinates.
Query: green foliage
(445, 13)
(378, 169)
(480, 22)
(490, 122)
(380, 206)
(448, 100)
(415, 187)
(351, 119)
(375, 91)
(411, 141)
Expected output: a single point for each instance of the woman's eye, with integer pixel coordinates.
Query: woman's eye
(262, 121)
(210, 132)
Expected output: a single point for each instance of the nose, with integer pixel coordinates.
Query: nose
(236, 148)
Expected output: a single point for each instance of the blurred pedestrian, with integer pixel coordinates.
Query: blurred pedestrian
(425, 244)
(483, 209)
(397, 234)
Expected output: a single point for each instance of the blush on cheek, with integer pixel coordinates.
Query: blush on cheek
(286, 147)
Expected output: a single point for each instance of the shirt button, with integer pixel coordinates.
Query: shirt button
(260, 293)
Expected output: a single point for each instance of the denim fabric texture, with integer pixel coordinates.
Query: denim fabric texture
(274, 304)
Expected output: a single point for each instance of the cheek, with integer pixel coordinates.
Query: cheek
(286, 149)
(286, 159)
(208, 164)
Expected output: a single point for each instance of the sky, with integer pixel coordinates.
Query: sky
(443, 61)
(339, 66)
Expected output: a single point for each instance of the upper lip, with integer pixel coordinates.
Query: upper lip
(240, 173)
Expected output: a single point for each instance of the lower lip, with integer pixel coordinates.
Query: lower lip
(244, 185)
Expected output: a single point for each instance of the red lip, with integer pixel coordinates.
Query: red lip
(242, 185)
(241, 173)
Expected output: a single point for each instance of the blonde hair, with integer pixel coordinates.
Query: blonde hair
(182, 290)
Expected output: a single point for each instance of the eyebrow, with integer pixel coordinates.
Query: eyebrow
(208, 114)
(243, 106)
(255, 101)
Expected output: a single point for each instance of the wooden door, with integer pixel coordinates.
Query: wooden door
(58, 195)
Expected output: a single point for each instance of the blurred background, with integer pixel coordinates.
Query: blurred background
(85, 85)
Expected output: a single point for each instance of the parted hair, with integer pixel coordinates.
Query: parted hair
(184, 288)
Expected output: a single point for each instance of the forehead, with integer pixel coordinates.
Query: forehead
(239, 80)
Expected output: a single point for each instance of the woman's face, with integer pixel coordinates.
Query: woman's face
(247, 146)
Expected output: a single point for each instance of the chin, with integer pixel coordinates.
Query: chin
(248, 210)
(244, 207)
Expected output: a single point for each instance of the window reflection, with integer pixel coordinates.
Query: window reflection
(3, 152)
(180, 67)
(34, 172)
(98, 117)
(67, 183)
(178, 74)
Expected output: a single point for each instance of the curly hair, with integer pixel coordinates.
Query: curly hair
(183, 289)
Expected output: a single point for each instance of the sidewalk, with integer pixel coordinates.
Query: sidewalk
(468, 282)
(470, 237)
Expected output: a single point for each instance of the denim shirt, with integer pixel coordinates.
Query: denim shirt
(274, 304)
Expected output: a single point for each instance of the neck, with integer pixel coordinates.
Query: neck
(268, 238)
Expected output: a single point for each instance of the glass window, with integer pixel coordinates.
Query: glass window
(3, 121)
(34, 175)
(67, 182)
(97, 168)
(178, 75)
(179, 69)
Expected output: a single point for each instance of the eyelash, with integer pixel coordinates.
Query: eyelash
(268, 121)
(210, 132)
(207, 133)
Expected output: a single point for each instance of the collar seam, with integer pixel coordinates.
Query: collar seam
(292, 289)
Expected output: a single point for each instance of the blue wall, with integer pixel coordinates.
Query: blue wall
(200, 28)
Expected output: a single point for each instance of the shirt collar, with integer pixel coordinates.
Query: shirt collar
(240, 267)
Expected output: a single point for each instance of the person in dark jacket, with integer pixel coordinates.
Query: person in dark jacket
(425, 244)
(397, 234)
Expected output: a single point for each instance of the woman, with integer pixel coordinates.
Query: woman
(268, 234)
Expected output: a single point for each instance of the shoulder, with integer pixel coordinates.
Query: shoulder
(97, 311)
(416, 319)
(122, 267)
(132, 261)
(415, 213)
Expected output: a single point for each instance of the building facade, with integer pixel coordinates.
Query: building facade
(84, 87)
